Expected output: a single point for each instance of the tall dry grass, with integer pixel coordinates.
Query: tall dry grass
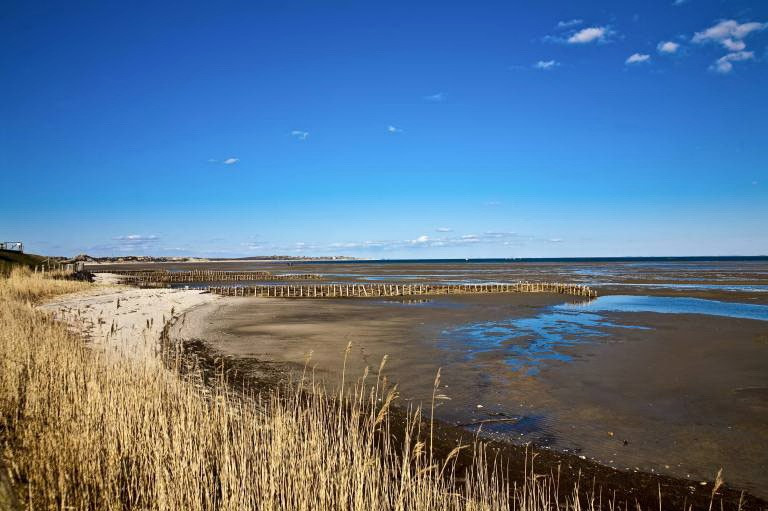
(79, 431)
(24, 285)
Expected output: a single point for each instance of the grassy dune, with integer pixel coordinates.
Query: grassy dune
(10, 259)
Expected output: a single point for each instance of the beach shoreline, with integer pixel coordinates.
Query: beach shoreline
(143, 314)
(121, 319)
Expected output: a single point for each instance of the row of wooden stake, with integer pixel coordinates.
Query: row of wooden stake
(376, 290)
(210, 276)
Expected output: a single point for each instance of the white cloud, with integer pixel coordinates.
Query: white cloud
(231, 161)
(638, 58)
(546, 65)
(588, 35)
(137, 238)
(734, 45)
(729, 33)
(300, 135)
(444, 229)
(668, 47)
(724, 65)
(498, 238)
(437, 98)
(131, 243)
(393, 129)
(569, 23)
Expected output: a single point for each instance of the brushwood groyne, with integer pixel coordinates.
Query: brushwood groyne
(173, 277)
(382, 289)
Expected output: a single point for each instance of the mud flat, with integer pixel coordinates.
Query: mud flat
(723, 279)
(681, 395)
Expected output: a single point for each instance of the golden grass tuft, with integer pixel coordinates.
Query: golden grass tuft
(24, 285)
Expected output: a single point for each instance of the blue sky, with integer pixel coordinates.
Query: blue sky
(397, 129)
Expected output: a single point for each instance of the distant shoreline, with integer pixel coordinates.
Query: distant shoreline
(345, 260)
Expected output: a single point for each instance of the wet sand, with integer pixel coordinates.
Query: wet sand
(687, 393)
(288, 331)
(690, 394)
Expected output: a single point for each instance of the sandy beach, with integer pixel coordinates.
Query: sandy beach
(125, 320)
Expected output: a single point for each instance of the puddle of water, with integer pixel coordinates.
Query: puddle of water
(669, 305)
(406, 301)
(535, 428)
(527, 343)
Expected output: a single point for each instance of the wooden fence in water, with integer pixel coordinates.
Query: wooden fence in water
(377, 290)
(172, 277)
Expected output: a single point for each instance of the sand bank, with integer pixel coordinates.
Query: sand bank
(125, 320)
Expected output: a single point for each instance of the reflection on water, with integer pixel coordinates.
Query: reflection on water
(535, 428)
(669, 305)
(745, 288)
(527, 343)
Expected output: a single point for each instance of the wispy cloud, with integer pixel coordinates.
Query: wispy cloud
(227, 161)
(638, 58)
(729, 33)
(546, 65)
(425, 241)
(569, 23)
(444, 229)
(589, 35)
(437, 98)
(393, 129)
(724, 65)
(299, 135)
(137, 238)
(129, 243)
(420, 242)
(679, 2)
(668, 47)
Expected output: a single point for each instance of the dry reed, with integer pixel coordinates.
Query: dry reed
(80, 431)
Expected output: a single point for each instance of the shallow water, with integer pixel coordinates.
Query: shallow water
(669, 305)
(748, 288)
(527, 343)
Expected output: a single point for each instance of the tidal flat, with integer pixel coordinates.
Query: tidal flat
(664, 373)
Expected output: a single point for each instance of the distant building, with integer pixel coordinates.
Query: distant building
(15, 246)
